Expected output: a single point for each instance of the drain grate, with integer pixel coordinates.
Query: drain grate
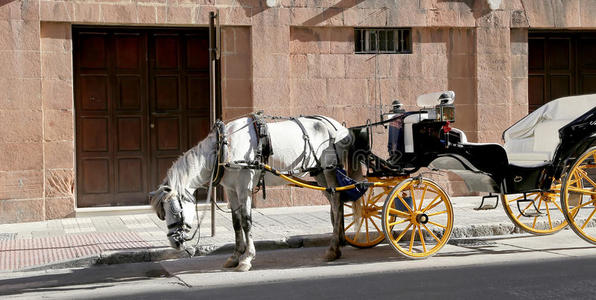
(471, 242)
(7, 236)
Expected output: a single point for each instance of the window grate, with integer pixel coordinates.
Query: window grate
(383, 40)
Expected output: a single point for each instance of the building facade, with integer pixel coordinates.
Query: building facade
(98, 97)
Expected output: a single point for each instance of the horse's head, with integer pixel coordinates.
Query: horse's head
(177, 211)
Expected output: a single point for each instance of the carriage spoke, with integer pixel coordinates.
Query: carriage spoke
(412, 236)
(401, 235)
(422, 197)
(431, 233)
(588, 219)
(572, 211)
(437, 224)
(515, 199)
(367, 237)
(399, 213)
(350, 225)
(432, 204)
(585, 176)
(413, 199)
(421, 238)
(374, 224)
(437, 213)
(583, 191)
(558, 207)
(348, 205)
(378, 217)
(550, 223)
(398, 222)
(349, 215)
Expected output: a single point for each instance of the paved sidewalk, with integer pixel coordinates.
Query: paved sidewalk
(142, 237)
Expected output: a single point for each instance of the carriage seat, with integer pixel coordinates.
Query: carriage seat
(533, 140)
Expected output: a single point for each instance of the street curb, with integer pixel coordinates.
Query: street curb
(299, 241)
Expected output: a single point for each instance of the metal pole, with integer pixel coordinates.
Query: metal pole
(213, 98)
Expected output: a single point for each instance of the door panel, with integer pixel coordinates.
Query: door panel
(135, 90)
(560, 64)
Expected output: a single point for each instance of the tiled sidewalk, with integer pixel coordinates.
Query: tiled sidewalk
(26, 245)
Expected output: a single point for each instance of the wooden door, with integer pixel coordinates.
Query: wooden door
(560, 64)
(141, 99)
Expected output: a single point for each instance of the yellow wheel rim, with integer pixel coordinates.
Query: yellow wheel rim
(579, 196)
(362, 218)
(419, 227)
(543, 216)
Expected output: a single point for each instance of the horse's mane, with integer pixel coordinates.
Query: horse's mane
(189, 169)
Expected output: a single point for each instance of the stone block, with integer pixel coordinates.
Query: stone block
(19, 211)
(60, 183)
(20, 126)
(20, 64)
(57, 94)
(567, 13)
(466, 117)
(433, 41)
(308, 92)
(519, 41)
(56, 37)
(540, 14)
(86, 12)
(462, 41)
(313, 62)
(179, 14)
(346, 91)
(270, 92)
(58, 125)
(465, 90)
(21, 156)
(237, 66)
(60, 207)
(519, 92)
(21, 184)
(494, 91)
(237, 93)
(492, 40)
(230, 113)
(19, 35)
(361, 66)
(56, 11)
(236, 16)
(276, 197)
(519, 66)
(119, 13)
(406, 66)
(586, 10)
(332, 66)
(298, 66)
(228, 40)
(270, 39)
(495, 19)
(271, 66)
(57, 65)
(147, 14)
(342, 40)
(306, 16)
(17, 93)
(274, 16)
(301, 197)
(490, 136)
(493, 65)
(358, 115)
(243, 40)
(309, 40)
(19, 10)
(441, 18)
(434, 66)
(519, 19)
(59, 155)
(461, 66)
(493, 117)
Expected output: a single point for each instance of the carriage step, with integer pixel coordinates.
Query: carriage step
(535, 212)
(488, 205)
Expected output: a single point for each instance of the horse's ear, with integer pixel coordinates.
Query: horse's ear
(157, 202)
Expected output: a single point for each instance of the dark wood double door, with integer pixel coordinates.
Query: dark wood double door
(141, 99)
(560, 64)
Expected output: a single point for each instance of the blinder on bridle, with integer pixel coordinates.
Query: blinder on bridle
(180, 235)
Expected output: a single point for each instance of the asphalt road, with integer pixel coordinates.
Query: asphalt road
(515, 267)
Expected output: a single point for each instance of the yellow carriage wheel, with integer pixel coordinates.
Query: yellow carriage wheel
(579, 196)
(539, 213)
(362, 218)
(417, 218)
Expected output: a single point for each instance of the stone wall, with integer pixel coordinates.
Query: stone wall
(296, 58)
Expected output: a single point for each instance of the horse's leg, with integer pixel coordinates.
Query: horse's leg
(237, 222)
(329, 180)
(244, 192)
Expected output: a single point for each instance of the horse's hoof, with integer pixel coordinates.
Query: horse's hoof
(243, 267)
(231, 263)
(332, 255)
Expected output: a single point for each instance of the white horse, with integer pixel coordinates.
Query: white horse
(174, 203)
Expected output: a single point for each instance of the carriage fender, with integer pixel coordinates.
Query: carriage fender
(475, 180)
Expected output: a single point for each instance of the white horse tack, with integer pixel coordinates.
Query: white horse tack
(194, 168)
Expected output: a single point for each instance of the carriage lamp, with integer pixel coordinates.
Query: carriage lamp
(445, 111)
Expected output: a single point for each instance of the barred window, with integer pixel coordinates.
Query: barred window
(383, 40)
